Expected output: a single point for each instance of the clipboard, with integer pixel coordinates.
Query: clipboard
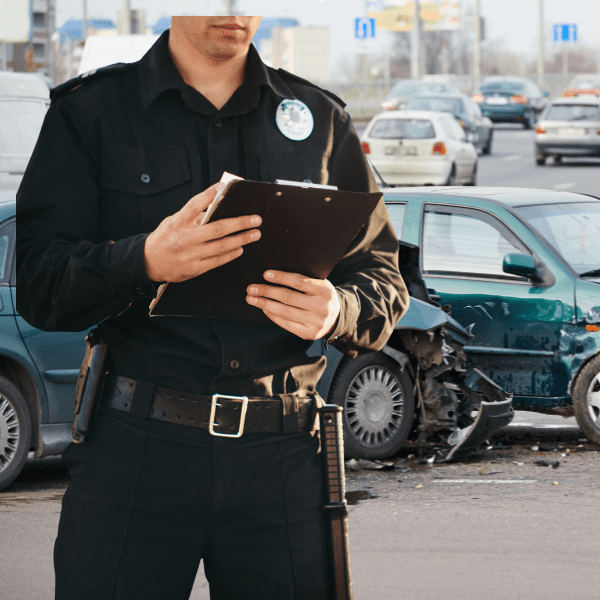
(305, 229)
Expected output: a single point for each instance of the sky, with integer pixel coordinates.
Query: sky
(513, 22)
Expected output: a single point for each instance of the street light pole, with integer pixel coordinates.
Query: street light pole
(540, 63)
(127, 16)
(415, 63)
(84, 21)
(477, 47)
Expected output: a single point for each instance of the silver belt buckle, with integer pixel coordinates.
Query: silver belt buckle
(213, 411)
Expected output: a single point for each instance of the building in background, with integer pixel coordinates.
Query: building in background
(285, 44)
(36, 55)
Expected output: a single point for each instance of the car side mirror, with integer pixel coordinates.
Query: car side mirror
(545, 93)
(470, 137)
(523, 265)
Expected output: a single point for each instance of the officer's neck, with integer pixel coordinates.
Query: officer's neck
(216, 80)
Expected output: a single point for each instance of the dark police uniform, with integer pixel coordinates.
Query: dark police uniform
(119, 151)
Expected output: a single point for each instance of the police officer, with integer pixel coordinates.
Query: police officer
(128, 159)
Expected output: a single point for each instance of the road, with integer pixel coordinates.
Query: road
(496, 527)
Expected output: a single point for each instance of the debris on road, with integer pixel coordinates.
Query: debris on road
(355, 496)
(369, 465)
(547, 463)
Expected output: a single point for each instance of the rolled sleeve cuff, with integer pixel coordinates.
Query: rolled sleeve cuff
(129, 269)
(348, 318)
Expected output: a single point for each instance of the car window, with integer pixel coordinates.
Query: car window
(573, 229)
(466, 244)
(412, 129)
(412, 88)
(20, 124)
(507, 87)
(573, 112)
(585, 82)
(449, 105)
(7, 234)
(397, 212)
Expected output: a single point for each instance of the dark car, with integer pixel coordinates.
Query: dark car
(479, 129)
(405, 89)
(510, 100)
(38, 371)
(520, 268)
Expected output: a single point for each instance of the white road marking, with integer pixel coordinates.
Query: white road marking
(564, 186)
(485, 480)
(512, 157)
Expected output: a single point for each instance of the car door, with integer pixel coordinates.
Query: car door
(517, 326)
(480, 125)
(57, 356)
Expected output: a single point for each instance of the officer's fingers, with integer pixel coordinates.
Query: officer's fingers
(281, 294)
(213, 262)
(303, 284)
(226, 227)
(226, 244)
(197, 205)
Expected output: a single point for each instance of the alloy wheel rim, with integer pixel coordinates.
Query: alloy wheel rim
(9, 433)
(374, 405)
(593, 399)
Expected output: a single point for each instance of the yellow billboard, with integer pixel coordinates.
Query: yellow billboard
(436, 15)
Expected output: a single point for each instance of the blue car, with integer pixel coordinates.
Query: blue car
(38, 371)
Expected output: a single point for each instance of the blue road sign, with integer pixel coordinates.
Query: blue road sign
(364, 28)
(565, 32)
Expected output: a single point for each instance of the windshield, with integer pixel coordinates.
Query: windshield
(412, 88)
(449, 105)
(412, 129)
(573, 112)
(20, 124)
(573, 229)
(585, 82)
(505, 87)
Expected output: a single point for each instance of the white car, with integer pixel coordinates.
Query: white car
(413, 147)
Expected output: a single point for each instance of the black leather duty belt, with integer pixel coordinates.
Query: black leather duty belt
(222, 415)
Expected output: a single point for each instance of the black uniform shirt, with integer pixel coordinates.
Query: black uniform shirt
(130, 146)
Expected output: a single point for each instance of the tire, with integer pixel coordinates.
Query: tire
(540, 158)
(586, 399)
(15, 432)
(452, 177)
(557, 159)
(473, 180)
(378, 404)
(487, 149)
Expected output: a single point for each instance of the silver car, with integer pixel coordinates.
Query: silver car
(568, 127)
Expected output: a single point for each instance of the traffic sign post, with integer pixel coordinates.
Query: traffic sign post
(565, 33)
(364, 28)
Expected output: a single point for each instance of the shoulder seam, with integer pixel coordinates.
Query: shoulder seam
(287, 75)
(72, 84)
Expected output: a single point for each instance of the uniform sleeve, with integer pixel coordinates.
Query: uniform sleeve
(67, 278)
(371, 290)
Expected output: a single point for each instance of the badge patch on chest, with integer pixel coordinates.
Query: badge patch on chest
(294, 119)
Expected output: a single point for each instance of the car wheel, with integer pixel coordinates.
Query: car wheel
(473, 180)
(487, 149)
(452, 177)
(557, 159)
(586, 399)
(378, 404)
(540, 158)
(15, 432)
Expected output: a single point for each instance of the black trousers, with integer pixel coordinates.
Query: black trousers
(148, 500)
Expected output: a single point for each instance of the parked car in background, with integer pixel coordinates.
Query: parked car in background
(420, 148)
(24, 100)
(510, 100)
(568, 127)
(38, 371)
(479, 129)
(404, 90)
(583, 85)
(520, 268)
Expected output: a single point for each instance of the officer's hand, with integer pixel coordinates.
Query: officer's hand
(179, 248)
(309, 310)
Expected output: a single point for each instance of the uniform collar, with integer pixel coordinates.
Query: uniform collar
(158, 73)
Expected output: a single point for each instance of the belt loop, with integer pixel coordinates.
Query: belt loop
(290, 414)
(142, 399)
